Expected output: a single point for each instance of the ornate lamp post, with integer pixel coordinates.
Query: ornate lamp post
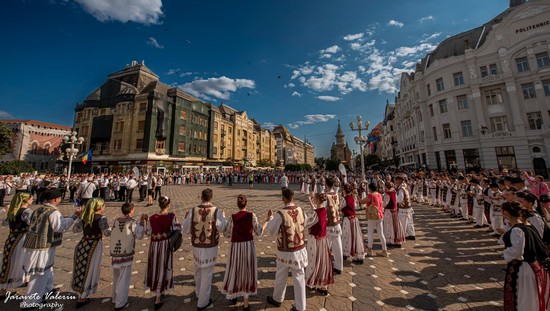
(360, 140)
(71, 152)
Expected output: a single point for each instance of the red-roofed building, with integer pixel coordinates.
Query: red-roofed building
(35, 142)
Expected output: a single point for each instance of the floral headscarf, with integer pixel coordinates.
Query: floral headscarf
(16, 202)
(91, 207)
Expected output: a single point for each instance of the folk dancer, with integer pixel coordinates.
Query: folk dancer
(432, 188)
(497, 198)
(463, 196)
(334, 230)
(288, 225)
(375, 198)
(124, 232)
(352, 236)
(476, 191)
(44, 235)
(241, 269)
(204, 223)
(319, 271)
(89, 250)
(405, 209)
(393, 230)
(18, 219)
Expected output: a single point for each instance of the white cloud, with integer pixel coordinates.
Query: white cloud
(427, 37)
(178, 72)
(290, 85)
(426, 18)
(139, 11)
(5, 115)
(354, 37)
(412, 50)
(395, 23)
(216, 87)
(269, 125)
(329, 98)
(362, 47)
(153, 42)
(312, 119)
(296, 93)
(325, 56)
(331, 50)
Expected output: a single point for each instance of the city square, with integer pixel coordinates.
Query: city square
(450, 266)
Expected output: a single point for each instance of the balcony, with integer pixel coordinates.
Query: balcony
(490, 79)
(224, 133)
(160, 151)
(502, 134)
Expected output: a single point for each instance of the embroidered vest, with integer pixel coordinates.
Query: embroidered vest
(319, 230)
(93, 232)
(333, 216)
(18, 225)
(122, 238)
(41, 234)
(204, 232)
(406, 199)
(242, 227)
(291, 232)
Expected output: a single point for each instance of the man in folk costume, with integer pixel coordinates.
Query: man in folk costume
(44, 235)
(334, 229)
(477, 194)
(204, 223)
(455, 198)
(463, 196)
(432, 188)
(405, 208)
(289, 226)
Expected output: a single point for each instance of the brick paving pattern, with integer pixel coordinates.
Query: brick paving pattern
(451, 265)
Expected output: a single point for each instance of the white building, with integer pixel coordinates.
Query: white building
(388, 135)
(482, 97)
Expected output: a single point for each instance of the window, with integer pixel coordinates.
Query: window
(523, 64)
(117, 144)
(141, 126)
(542, 59)
(462, 101)
(490, 70)
(493, 97)
(431, 110)
(506, 157)
(440, 84)
(181, 147)
(446, 131)
(142, 107)
(471, 158)
(499, 124)
(183, 114)
(535, 120)
(215, 125)
(429, 90)
(435, 133)
(466, 128)
(160, 144)
(443, 106)
(139, 144)
(78, 116)
(450, 158)
(546, 87)
(458, 78)
(528, 90)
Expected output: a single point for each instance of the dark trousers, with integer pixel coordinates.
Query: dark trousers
(157, 193)
(63, 191)
(129, 193)
(142, 192)
(102, 192)
(2, 196)
(122, 193)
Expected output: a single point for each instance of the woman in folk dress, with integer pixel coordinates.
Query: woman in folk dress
(319, 273)
(241, 270)
(89, 250)
(393, 230)
(12, 274)
(352, 236)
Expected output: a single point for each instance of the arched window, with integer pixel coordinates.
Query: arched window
(47, 149)
(34, 148)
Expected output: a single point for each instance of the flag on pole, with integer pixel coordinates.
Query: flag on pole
(87, 157)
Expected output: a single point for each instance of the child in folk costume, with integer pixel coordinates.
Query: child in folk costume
(393, 230)
(334, 230)
(18, 219)
(204, 223)
(159, 275)
(288, 226)
(241, 270)
(352, 236)
(319, 271)
(89, 250)
(124, 232)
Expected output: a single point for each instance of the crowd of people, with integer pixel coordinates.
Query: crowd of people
(312, 241)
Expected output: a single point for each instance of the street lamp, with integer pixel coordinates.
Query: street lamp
(71, 152)
(360, 140)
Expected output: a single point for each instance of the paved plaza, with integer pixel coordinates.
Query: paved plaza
(451, 265)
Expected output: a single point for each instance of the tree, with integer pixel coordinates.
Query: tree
(5, 139)
(264, 163)
(331, 165)
(15, 167)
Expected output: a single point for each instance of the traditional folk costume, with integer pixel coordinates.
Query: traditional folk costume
(432, 187)
(393, 230)
(479, 206)
(405, 210)
(289, 225)
(497, 200)
(455, 199)
(463, 200)
(124, 232)
(241, 269)
(352, 236)
(319, 272)
(18, 219)
(334, 230)
(43, 237)
(444, 192)
(204, 223)
(159, 275)
(527, 283)
(89, 250)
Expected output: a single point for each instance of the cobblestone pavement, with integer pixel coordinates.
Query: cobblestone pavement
(450, 266)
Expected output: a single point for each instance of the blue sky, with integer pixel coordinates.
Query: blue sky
(304, 64)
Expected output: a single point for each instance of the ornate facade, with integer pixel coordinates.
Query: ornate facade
(340, 151)
(292, 150)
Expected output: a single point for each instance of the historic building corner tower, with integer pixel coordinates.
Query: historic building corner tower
(340, 151)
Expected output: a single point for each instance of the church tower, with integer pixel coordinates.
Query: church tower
(340, 151)
(340, 137)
